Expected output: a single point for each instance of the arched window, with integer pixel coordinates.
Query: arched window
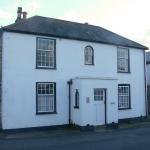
(76, 99)
(89, 55)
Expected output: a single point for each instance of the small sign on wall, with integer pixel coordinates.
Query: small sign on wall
(87, 99)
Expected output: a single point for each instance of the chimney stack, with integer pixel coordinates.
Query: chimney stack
(86, 23)
(24, 15)
(20, 13)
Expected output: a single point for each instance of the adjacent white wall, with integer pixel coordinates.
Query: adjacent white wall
(137, 85)
(76, 114)
(87, 113)
(20, 77)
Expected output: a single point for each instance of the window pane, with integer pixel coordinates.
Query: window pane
(123, 60)
(45, 97)
(123, 96)
(89, 55)
(77, 98)
(45, 53)
(45, 103)
(99, 94)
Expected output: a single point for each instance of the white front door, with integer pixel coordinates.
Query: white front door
(99, 106)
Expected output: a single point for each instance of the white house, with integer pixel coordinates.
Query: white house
(56, 72)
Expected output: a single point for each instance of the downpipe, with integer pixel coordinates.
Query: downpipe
(69, 98)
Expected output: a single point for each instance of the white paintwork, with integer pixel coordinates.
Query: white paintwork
(19, 78)
(137, 85)
(86, 114)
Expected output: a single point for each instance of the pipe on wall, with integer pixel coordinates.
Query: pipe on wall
(146, 101)
(69, 98)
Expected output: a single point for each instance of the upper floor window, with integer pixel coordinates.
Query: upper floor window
(89, 55)
(46, 57)
(123, 60)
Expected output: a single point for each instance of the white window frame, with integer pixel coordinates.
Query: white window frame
(99, 94)
(124, 96)
(45, 97)
(89, 55)
(45, 53)
(123, 63)
(77, 98)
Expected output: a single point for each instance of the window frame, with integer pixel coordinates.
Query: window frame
(119, 71)
(77, 99)
(92, 55)
(40, 67)
(42, 113)
(129, 107)
(104, 96)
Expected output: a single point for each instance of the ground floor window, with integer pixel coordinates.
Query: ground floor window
(46, 97)
(76, 99)
(123, 96)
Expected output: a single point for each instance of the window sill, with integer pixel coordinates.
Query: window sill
(46, 68)
(76, 107)
(123, 72)
(125, 108)
(45, 113)
(89, 64)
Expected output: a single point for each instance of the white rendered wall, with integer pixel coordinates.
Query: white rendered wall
(87, 111)
(76, 114)
(137, 85)
(19, 78)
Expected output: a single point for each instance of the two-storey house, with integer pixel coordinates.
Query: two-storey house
(56, 72)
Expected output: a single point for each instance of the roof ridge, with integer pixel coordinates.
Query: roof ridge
(88, 25)
(64, 20)
(69, 29)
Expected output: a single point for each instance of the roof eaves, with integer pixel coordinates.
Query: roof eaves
(71, 38)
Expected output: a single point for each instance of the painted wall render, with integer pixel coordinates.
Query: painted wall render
(20, 75)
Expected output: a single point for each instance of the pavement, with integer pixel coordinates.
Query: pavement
(127, 137)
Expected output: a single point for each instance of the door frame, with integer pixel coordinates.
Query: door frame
(105, 103)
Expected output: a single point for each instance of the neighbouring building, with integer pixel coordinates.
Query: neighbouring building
(56, 72)
(148, 77)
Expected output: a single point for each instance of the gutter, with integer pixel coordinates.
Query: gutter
(69, 97)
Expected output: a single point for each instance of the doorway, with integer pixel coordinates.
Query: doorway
(100, 106)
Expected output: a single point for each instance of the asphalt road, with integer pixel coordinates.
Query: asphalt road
(129, 139)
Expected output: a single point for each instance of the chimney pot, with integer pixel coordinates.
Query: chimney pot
(19, 10)
(25, 15)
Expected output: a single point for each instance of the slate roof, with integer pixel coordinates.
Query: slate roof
(0, 32)
(70, 30)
